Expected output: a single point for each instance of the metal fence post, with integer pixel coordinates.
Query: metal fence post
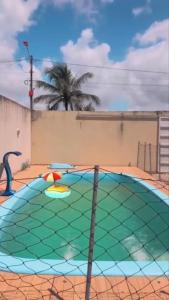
(92, 232)
(138, 154)
(150, 157)
(145, 148)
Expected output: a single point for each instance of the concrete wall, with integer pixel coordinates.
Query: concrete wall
(15, 132)
(76, 137)
(91, 138)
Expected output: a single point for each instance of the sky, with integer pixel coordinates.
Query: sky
(124, 43)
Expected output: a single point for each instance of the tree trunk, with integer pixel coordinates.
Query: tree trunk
(71, 106)
(66, 106)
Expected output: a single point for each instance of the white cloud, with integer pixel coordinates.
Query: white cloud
(15, 17)
(138, 89)
(89, 8)
(158, 31)
(84, 7)
(87, 50)
(145, 9)
(107, 1)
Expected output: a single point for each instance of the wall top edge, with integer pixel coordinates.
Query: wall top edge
(105, 116)
(4, 100)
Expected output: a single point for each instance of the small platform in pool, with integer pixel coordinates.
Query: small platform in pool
(61, 166)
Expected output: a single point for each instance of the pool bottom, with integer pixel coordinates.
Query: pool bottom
(79, 268)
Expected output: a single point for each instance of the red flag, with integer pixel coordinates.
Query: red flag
(25, 43)
(31, 93)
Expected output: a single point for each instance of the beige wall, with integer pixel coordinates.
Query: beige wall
(15, 132)
(91, 138)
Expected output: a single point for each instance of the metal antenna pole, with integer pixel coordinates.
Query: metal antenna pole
(92, 232)
(26, 44)
(31, 84)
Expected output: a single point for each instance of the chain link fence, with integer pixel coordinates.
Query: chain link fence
(93, 234)
(147, 157)
(147, 160)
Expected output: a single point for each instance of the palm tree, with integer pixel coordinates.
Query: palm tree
(84, 107)
(65, 88)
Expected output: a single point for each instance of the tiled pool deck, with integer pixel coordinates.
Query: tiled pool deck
(19, 286)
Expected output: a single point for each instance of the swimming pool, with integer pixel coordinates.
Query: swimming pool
(51, 236)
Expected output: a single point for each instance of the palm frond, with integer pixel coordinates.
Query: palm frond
(78, 106)
(79, 95)
(65, 87)
(53, 105)
(82, 107)
(46, 86)
(46, 98)
(59, 72)
(89, 107)
(82, 79)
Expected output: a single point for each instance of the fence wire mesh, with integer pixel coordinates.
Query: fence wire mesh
(46, 248)
(147, 157)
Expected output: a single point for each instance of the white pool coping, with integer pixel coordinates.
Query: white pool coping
(164, 197)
